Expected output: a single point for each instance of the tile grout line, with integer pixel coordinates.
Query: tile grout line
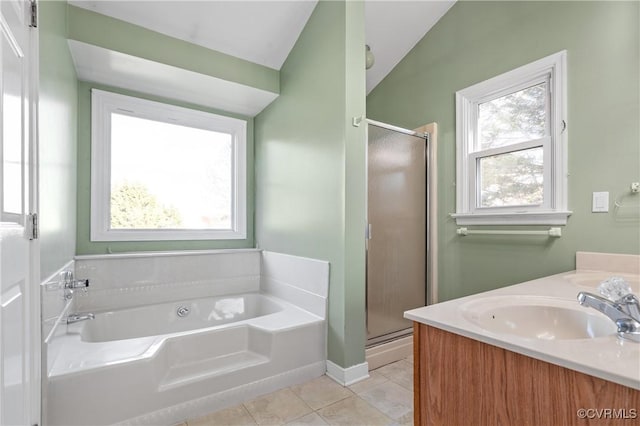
(375, 408)
(250, 415)
(316, 410)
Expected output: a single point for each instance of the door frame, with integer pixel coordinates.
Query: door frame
(35, 318)
(432, 211)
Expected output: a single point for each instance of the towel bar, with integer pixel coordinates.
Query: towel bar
(551, 232)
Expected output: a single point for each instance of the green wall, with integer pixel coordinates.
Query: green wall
(57, 140)
(478, 40)
(310, 163)
(84, 245)
(103, 31)
(355, 187)
(110, 33)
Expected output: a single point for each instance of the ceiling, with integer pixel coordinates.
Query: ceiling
(265, 31)
(393, 28)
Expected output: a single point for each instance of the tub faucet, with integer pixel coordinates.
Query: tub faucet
(79, 317)
(72, 284)
(625, 312)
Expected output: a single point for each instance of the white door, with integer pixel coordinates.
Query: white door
(17, 329)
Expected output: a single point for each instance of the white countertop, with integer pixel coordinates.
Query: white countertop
(607, 357)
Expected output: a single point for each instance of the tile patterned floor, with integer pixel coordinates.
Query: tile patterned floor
(385, 398)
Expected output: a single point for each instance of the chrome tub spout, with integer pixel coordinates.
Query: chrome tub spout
(79, 317)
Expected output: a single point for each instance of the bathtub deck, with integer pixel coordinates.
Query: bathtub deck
(182, 374)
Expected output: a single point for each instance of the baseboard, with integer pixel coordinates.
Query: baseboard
(389, 352)
(347, 376)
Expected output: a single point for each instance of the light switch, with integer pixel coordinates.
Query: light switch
(600, 202)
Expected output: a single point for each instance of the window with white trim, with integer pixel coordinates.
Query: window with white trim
(162, 172)
(511, 156)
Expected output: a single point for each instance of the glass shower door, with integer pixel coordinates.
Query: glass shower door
(396, 248)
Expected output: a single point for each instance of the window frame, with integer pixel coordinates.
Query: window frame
(553, 210)
(103, 104)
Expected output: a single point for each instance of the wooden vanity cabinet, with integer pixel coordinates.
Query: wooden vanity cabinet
(463, 382)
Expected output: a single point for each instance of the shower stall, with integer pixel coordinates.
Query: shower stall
(397, 243)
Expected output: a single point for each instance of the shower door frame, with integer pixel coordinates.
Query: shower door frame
(428, 290)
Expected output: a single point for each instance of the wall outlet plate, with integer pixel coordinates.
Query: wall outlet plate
(635, 187)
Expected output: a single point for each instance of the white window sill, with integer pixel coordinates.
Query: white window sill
(530, 218)
(166, 235)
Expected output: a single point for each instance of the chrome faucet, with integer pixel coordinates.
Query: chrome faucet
(79, 317)
(625, 312)
(69, 284)
(73, 284)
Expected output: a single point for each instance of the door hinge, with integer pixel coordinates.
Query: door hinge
(31, 230)
(34, 14)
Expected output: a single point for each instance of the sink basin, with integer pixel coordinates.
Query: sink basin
(591, 280)
(534, 317)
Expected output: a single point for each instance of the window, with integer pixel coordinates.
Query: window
(162, 172)
(511, 147)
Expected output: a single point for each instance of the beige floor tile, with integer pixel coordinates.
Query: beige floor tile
(375, 379)
(400, 372)
(409, 359)
(234, 416)
(407, 423)
(321, 392)
(353, 411)
(312, 419)
(391, 399)
(277, 408)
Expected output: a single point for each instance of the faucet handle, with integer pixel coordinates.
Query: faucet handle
(77, 284)
(631, 305)
(614, 288)
(629, 298)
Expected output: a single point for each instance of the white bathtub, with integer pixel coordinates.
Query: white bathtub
(164, 318)
(148, 365)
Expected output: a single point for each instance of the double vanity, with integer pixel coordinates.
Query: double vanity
(528, 353)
